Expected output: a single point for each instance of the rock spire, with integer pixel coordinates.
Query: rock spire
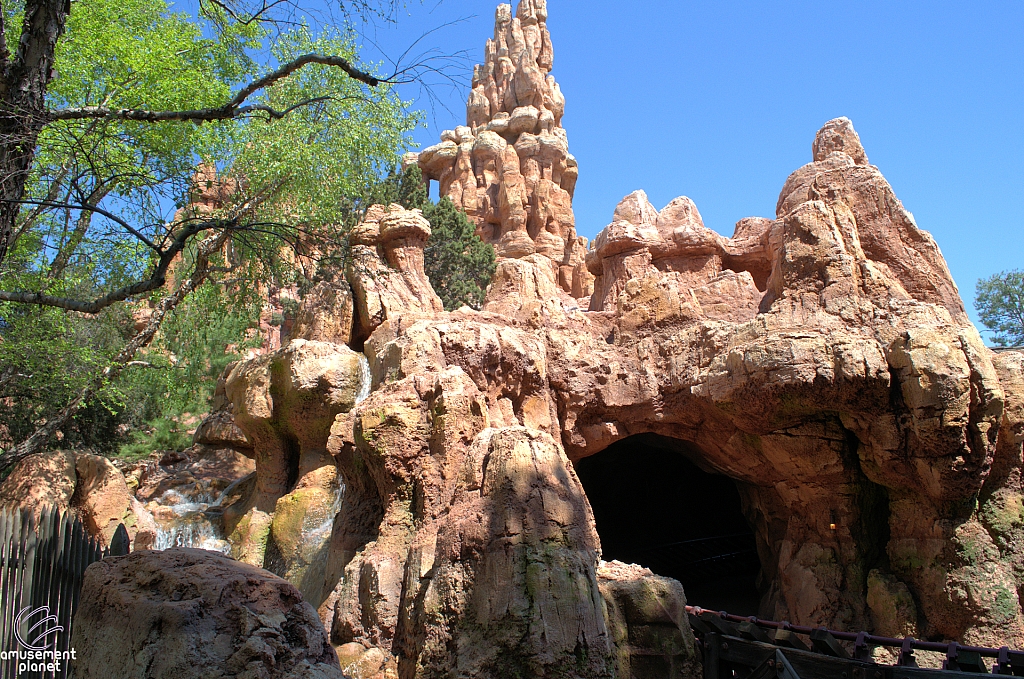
(509, 168)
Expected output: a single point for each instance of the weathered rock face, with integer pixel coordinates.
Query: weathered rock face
(386, 267)
(89, 486)
(509, 168)
(185, 613)
(648, 623)
(822, 360)
(285, 404)
(40, 480)
(875, 442)
(102, 500)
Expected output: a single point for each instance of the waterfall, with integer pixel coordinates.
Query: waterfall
(190, 514)
(365, 380)
(322, 532)
(194, 520)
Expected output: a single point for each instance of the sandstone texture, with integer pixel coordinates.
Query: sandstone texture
(509, 168)
(648, 623)
(386, 267)
(414, 475)
(44, 479)
(186, 613)
(89, 486)
(820, 359)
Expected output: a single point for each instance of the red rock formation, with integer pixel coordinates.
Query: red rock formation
(822, 360)
(510, 168)
(835, 384)
(189, 613)
(386, 267)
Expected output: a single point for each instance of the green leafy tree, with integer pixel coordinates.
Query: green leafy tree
(459, 265)
(1000, 303)
(287, 144)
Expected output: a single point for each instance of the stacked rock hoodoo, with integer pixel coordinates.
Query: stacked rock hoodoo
(509, 168)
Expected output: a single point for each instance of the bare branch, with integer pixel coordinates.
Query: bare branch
(51, 195)
(100, 211)
(60, 261)
(231, 109)
(155, 281)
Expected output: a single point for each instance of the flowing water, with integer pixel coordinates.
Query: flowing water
(364, 378)
(194, 519)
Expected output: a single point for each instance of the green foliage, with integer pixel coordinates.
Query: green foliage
(459, 265)
(306, 175)
(45, 357)
(163, 433)
(1000, 303)
(162, 397)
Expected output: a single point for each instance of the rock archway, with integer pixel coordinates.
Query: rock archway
(654, 506)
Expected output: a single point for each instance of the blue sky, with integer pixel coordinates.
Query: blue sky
(720, 101)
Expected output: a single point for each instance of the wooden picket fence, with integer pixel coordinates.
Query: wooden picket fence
(41, 565)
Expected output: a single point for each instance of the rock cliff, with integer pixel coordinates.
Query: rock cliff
(820, 359)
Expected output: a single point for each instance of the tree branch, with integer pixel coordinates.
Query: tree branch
(155, 281)
(34, 443)
(231, 109)
(60, 261)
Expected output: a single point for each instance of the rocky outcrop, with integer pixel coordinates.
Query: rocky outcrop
(46, 479)
(103, 502)
(325, 314)
(648, 623)
(821, 359)
(846, 395)
(89, 486)
(509, 168)
(386, 267)
(285, 403)
(185, 613)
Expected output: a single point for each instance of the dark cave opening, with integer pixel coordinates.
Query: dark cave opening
(656, 508)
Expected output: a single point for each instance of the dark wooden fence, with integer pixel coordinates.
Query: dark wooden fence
(41, 569)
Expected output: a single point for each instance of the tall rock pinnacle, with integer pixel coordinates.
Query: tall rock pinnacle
(509, 168)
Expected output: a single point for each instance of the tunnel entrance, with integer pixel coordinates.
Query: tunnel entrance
(656, 508)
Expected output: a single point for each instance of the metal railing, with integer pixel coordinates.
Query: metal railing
(42, 564)
(737, 646)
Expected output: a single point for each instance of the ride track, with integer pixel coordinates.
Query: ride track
(740, 647)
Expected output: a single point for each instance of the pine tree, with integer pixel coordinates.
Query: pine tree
(458, 264)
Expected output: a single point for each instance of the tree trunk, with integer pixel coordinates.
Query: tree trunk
(23, 84)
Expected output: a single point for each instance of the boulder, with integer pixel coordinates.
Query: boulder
(648, 623)
(189, 613)
(278, 401)
(325, 314)
(103, 501)
(39, 480)
(218, 430)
